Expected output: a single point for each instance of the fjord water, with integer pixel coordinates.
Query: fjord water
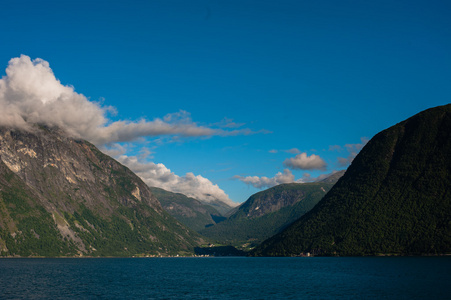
(226, 278)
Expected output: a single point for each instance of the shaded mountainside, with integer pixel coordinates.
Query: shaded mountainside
(395, 198)
(189, 211)
(63, 197)
(267, 212)
(222, 207)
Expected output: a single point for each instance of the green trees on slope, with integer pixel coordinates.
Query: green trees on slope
(394, 198)
(246, 225)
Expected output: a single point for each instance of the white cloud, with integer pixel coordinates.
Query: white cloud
(114, 150)
(266, 182)
(345, 161)
(335, 148)
(304, 162)
(229, 123)
(357, 147)
(30, 93)
(158, 175)
(293, 151)
(280, 178)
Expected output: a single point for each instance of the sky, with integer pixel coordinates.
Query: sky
(221, 99)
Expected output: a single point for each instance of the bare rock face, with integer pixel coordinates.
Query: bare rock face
(59, 167)
(93, 204)
(264, 203)
(284, 195)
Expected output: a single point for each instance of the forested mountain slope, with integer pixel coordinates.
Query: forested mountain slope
(266, 213)
(395, 198)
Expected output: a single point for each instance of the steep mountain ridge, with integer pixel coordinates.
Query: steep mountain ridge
(92, 204)
(395, 198)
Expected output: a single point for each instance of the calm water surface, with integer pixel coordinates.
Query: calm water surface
(227, 278)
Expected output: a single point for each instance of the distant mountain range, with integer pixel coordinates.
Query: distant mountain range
(394, 199)
(266, 213)
(63, 197)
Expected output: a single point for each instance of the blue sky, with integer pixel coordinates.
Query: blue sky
(275, 79)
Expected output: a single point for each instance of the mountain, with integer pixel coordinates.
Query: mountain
(63, 197)
(193, 213)
(395, 198)
(266, 213)
(333, 178)
(219, 205)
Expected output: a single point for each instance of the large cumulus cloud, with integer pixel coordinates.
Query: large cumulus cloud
(31, 94)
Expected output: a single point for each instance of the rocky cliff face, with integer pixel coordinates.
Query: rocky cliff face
(283, 195)
(59, 168)
(90, 198)
(272, 200)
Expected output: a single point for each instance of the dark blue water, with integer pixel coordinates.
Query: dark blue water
(227, 278)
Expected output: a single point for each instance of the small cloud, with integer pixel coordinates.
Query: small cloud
(245, 131)
(337, 148)
(114, 150)
(265, 182)
(304, 162)
(353, 150)
(229, 123)
(306, 178)
(145, 153)
(293, 151)
(180, 117)
(357, 147)
(343, 162)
